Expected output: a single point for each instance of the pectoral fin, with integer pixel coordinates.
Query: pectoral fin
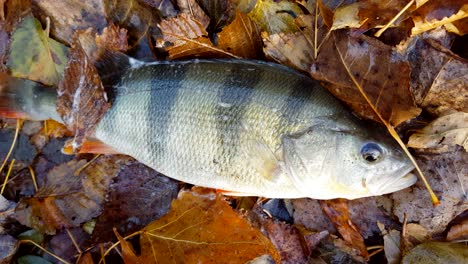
(90, 145)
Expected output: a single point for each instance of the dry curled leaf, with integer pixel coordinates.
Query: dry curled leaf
(72, 194)
(82, 101)
(443, 133)
(382, 74)
(201, 227)
(338, 213)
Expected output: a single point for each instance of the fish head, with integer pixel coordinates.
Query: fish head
(345, 158)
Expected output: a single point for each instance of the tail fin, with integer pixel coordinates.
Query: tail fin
(20, 98)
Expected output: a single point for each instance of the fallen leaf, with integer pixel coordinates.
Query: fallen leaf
(437, 252)
(437, 13)
(275, 16)
(168, 8)
(86, 258)
(286, 238)
(191, 8)
(184, 36)
(29, 259)
(8, 247)
(62, 244)
(6, 211)
(459, 27)
(68, 16)
(414, 235)
(55, 129)
(382, 73)
(137, 196)
(68, 200)
(201, 227)
(458, 232)
(392, 247)
(338, 213)
(308, 213)
(113, 38)
(35, 56)
(220, 12)
(241, 38)
(443, 133)
(82, 101)
(448, 175)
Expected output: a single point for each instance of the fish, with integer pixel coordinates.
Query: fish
(248, 128)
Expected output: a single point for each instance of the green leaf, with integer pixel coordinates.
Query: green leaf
(35, 56)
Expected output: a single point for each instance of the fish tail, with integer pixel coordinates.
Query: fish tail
(21, 98)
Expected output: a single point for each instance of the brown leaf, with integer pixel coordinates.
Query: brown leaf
(337, 211)
(68, 200)
(275, 16)
(382, 73)
(190, 7)
(448, 175)
(137, 196)
(68, 16)
(378, 13)
(201, 227)
(86, 258)
(437, 252)
(220, 12)
(82, 101)
(241, 38)
(436, 13)
(113, 38)
(458, 231)
(184, 36)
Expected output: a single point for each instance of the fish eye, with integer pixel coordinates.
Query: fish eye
(371, 152)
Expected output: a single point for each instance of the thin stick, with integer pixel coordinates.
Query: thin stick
(79, 170)
(391, 129)
(7, 176)
(18, 125)
(74, 241)
(116, 244)
(393, 19)
(33, 177)
(45, 250)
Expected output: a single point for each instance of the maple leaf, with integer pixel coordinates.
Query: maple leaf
(200, 227)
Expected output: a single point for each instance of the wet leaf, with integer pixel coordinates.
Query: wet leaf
(68, 16)
(437, 252)
(70, 196)
(276, 16)
(137, 196)
(201, 227)
(82, 100)
(338, 213)
(443, 133)
(437, 13)
(382, 74)
(35, 56)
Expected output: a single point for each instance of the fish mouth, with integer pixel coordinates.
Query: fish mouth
(393, 184)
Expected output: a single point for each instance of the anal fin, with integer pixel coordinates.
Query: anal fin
(89, 145)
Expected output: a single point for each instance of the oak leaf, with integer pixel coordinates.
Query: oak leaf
(201, 228)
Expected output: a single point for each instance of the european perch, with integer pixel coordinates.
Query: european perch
(245, 127)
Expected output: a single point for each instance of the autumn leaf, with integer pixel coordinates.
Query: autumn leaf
(443, 133)
(381, 72)
(437, 252)
(201, 227)
(35, 56)
(338, 213)
(220, 12)
(68, 16)
(82, 99)
(191, 7)
(72, 194)
(436, 13)
(188, 38)
(275, 16)
(8, 247)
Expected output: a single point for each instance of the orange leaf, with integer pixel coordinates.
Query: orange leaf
(202, 228)
(337, 211)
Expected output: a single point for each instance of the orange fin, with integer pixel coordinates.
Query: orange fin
(9, 113)
(232, 193)
(90, 145)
